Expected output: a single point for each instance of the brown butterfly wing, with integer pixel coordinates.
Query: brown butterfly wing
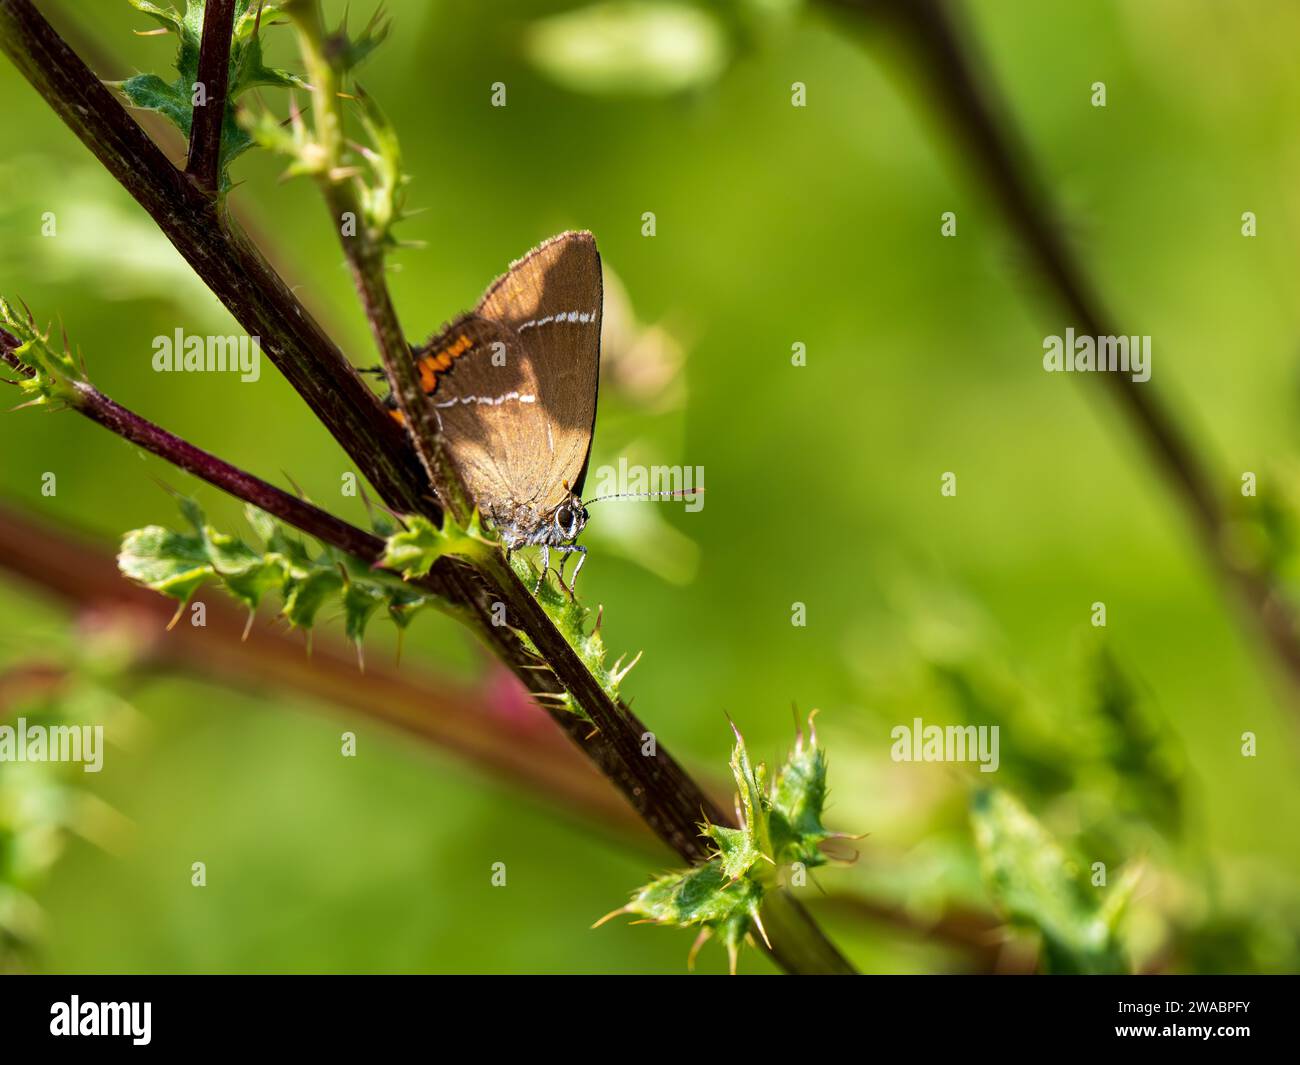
(552, 300)
(485, 394)
(514, 383)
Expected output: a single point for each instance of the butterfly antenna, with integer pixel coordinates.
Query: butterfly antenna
(676, 494)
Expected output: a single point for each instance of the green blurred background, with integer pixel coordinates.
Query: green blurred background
(775, 225)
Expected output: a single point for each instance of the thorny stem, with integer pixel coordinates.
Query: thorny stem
(204, 164)
(88, 400)
(665, 796)
(365, 255)
(982, 124)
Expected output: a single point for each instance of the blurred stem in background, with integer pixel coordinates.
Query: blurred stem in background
(963, 92)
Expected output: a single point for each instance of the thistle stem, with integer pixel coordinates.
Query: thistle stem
(364, 249)
(981, 124)
(204, 163)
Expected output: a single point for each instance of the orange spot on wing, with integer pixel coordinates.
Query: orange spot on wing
(439, 362)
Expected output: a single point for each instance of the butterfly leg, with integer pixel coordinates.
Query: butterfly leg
(546, 565)
(564, 561)
(567, 550)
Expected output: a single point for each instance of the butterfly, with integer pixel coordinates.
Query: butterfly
(514, 384)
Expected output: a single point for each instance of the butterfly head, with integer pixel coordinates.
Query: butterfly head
(568, 519)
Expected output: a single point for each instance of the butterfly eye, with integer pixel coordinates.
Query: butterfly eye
(564, 520)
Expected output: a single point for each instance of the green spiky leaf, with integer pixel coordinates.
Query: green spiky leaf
(348, 52)
(319, 149)
(781, 826)
(702, 897)
(414, 550)
(174, 99)
(383, 198)
(751, 791)
(167, 562)
(736, 849)
(51, 368)
(798, 798)
(177, 564)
